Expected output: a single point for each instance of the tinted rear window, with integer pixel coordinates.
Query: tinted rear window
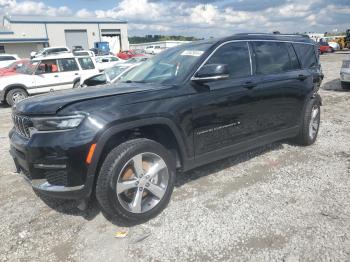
(307, 55)
(235, 56)
(86, 63)
(272, 57)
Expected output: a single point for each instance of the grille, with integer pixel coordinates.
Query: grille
(57, 178)
(22, 125)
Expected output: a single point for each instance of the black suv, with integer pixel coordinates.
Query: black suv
(188, 106)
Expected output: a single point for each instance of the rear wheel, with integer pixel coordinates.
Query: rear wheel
(310, 124)
(15, 95)
(136, 180)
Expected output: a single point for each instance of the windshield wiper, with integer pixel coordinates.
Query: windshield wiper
(130, 81)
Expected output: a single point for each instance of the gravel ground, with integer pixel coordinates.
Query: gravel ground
(277, 203)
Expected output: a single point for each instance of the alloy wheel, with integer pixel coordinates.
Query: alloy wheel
(314, 121)
(142, 182)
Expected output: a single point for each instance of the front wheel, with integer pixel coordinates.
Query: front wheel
(310, 124)
(15, 95)
(136, 180)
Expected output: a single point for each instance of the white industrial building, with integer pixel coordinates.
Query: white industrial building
(23, 34)
(162, 44)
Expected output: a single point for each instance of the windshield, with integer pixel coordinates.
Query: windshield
(27, 68)
(169, 67)
(113, 72)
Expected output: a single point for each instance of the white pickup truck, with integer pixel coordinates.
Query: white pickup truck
(45, 74)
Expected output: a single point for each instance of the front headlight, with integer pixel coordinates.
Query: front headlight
(57, 123)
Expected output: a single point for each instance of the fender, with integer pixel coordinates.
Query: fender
(101, 141)
(318, 98)
(9, 87)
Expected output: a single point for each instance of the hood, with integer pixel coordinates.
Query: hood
(52, 102)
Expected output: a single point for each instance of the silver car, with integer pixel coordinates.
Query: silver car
(345, 73)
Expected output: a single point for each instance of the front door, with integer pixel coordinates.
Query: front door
(223, 110)
(47, 77)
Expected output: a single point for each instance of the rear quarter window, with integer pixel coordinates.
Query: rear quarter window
(86, 63)
(307, 55)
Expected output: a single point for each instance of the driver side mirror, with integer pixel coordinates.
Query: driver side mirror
(211, 72)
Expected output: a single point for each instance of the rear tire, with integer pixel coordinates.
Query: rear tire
(310, 124)
(137, 203)
(15, 95)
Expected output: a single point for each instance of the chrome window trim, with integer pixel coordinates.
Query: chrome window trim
(250, 55)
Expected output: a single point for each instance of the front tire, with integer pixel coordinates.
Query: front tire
(15, 95)
(310, 124)
(136, 180)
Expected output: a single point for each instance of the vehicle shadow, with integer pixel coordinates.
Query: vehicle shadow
(3, 105)
(334, 85)
(70, 207)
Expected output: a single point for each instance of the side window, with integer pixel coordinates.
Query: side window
(114, 59)
(306, 54)
(47, 67)
(235, 56)
(86, 63)
(7, 58)
(2, 49)
(68, 64)
(293, 57)
(271, 57)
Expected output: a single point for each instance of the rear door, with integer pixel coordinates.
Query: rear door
(69, 72)
(223, 111)
(280, 82)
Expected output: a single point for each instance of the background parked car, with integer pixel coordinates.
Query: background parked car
(324, 47)
(334, 45)
(13, 67)
(7, 59)
(45, 74)
(128, 54)
(345, 73)
(104, 62)
(49, 51)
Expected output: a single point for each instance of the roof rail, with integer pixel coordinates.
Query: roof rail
(274, 34)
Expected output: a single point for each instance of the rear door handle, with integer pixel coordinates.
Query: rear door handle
(249, 85)
(302, 77)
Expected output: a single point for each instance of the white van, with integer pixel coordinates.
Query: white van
(45, 74)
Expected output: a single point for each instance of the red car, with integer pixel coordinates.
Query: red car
(11, 69)
(325, 48)
(128, 54)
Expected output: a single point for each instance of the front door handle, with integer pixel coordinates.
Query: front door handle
(249, 85)
(302, 77)
(55, 75)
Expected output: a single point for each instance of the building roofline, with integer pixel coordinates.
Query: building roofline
(24, 40)
(55, 20)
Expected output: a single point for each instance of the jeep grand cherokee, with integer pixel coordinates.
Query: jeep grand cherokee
(190, 105)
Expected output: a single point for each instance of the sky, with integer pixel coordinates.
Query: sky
(199, 18)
